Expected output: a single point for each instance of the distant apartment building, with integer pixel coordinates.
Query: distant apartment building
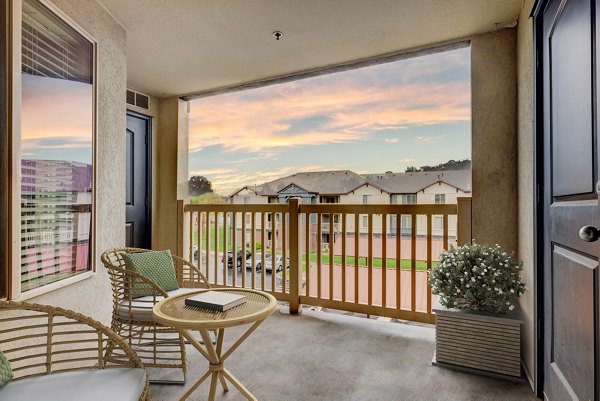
(56, 199)
(348, 187)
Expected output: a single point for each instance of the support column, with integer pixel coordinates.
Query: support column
(171, 171)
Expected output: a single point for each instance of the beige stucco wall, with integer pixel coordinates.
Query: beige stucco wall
(92, 296)
(502, 152)
(494, 138)
(525, 183)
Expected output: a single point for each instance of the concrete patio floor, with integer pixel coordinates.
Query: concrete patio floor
(329, 356)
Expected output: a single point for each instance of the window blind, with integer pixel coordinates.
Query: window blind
(51, 48)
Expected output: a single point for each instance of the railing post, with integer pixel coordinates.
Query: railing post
(464, 221)
(295, 256)
(180, 227)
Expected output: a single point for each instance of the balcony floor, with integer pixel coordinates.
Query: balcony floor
(330, 356)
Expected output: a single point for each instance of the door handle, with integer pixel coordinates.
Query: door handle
(589, 233)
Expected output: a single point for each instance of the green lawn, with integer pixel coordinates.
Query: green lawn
(211, 239)
(405, 264)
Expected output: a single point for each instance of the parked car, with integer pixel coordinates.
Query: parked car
(268, 262)
(257, 261)
(239, 257)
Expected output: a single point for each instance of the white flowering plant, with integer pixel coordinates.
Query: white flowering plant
(477, 277)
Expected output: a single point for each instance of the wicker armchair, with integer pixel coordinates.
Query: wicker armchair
(64, 355)
(158, 346)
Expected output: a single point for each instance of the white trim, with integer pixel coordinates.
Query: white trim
(528, 374)
(36, 292)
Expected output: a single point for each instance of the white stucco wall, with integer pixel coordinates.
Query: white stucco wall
(246, 196)
(427, 195)
(376, 196)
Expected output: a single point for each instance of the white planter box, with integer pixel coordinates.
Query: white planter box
(478, 342)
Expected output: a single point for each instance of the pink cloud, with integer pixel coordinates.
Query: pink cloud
(58, 110)
(353, 112)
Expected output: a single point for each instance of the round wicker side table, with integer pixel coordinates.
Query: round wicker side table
(173, 312)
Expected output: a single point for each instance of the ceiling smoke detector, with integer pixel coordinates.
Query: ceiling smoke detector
(277, 34)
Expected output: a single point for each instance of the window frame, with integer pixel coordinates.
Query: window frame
(14, 268)
(440, 199)
(399, 199)
(406, 221)
(5, 149)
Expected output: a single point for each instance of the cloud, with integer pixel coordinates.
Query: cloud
(430, 138)
(57, 143)
(56, 108)
(391, 140)
(325, 109)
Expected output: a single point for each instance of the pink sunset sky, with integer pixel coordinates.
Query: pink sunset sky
(383, 117)
(57, 120)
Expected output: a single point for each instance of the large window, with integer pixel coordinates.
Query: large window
(57, 135)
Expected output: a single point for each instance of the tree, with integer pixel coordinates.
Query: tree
(199, 185)
(449, 165)
(209, 198)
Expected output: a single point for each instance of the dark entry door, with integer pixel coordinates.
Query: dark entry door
(570, 269)
(138, 181)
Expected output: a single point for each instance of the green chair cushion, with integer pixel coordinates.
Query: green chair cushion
(156, 265)
(6, 374)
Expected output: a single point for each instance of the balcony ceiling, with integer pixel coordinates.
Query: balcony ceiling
(190, 46)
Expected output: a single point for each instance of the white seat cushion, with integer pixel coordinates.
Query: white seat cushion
(141, 308)
(118, 384)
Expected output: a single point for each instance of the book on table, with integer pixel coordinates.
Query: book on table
(215, 300)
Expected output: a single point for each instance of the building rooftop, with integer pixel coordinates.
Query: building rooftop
(317, 182)
(414, 182)
(341, 182)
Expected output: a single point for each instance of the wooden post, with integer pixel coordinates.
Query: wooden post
(463, 224)
(180, 227)
(295, 256)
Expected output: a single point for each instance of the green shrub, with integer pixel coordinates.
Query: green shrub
(477, 277)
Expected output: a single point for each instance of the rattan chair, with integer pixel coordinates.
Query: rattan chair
(158, 346)
(68, 354)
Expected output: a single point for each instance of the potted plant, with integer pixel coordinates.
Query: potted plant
(477, 328)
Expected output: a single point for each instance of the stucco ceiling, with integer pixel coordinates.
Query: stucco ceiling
(181, 47)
